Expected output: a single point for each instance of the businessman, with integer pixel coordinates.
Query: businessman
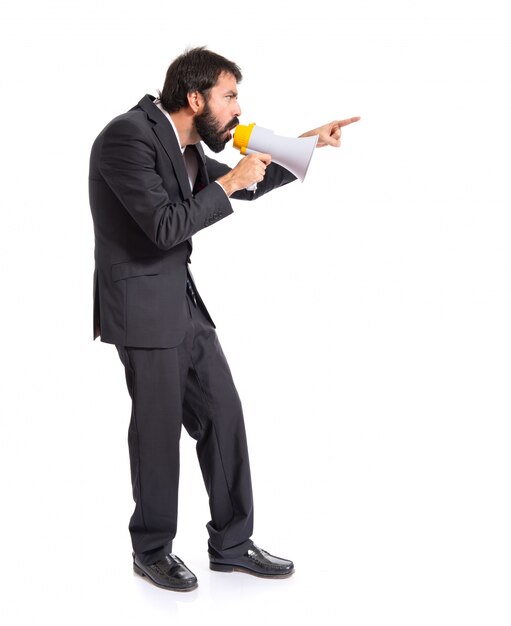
(151, 189)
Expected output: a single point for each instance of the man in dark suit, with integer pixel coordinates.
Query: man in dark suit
(152, 188)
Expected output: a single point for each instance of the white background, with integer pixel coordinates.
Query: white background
(365, 315)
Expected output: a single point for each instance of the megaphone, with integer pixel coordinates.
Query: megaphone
(294, 154)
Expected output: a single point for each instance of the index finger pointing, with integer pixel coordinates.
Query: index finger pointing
(350, 120)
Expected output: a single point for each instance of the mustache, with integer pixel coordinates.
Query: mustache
(231, 125)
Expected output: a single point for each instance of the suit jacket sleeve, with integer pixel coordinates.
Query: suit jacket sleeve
(128, 165)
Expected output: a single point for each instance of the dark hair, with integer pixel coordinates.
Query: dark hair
(197, 69)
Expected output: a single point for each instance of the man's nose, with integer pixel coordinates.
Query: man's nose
(237, 110)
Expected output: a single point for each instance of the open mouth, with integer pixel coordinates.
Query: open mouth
(229, 130)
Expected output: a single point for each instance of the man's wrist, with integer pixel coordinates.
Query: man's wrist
(227, 184)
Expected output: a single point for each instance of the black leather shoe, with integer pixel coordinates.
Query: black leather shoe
(168, 573)
(255, 561)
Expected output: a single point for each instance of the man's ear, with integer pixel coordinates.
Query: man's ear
(196, 101)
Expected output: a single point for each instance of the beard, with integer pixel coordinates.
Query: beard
(214, 136)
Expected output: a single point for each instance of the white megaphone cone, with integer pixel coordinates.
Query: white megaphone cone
(293, 154)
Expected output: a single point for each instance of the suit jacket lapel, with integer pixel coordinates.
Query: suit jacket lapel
(202, 172)
(169, 142)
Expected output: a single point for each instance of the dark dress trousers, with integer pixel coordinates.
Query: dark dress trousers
(146, 303)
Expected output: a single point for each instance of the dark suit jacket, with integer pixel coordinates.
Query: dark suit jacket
(144, 216)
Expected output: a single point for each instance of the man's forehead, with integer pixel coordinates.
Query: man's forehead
(227, 83)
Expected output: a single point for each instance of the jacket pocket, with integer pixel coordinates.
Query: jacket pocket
(143, 267)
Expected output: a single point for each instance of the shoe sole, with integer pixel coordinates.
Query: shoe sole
(141, 573)
(217, 567)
